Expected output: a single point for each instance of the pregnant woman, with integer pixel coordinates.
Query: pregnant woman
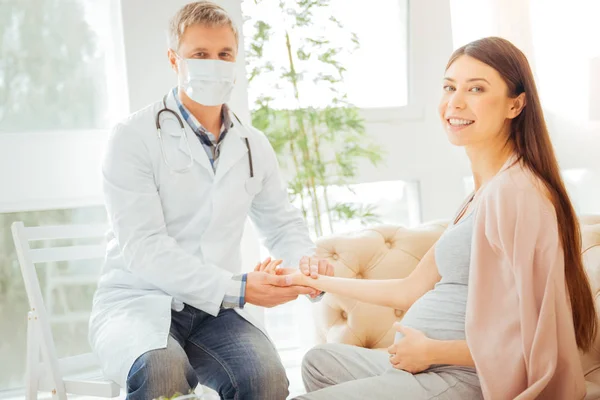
(498, 308)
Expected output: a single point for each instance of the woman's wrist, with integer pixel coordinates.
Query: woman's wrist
(453, 352)
(433, 351)
(310, 282)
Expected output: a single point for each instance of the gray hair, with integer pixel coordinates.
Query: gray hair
(204, 13)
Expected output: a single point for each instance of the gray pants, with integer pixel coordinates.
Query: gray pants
(338, 371)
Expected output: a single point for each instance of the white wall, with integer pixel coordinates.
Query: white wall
(475, 19)
(560, 42)
(594, 106)
(413, 137)
(416, 145)
(50, 170)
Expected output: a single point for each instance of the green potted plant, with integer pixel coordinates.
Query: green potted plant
(318, 135)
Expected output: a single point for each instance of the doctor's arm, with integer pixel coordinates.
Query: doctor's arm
(281, 226)
(136, 217)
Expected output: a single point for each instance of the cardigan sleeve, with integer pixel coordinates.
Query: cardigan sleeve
(522, 230)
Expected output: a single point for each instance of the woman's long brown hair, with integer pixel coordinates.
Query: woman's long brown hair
(532, 144)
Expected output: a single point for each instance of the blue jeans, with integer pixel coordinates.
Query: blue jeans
(226, 353)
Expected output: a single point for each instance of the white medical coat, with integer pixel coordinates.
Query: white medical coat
(175, 238)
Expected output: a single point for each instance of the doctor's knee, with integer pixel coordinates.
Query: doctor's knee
(161, 372)
(267, 380)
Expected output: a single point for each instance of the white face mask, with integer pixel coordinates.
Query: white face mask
(208, 82)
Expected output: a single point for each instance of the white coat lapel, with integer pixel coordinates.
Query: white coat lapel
(232, 150)
(193, 146)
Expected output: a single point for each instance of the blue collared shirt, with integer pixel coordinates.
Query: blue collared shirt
(208, 140)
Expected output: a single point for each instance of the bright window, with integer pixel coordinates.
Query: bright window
(58, 73)
(55, 63)
(565, 59)
(583, 186)
(376, 73)
(389, 202)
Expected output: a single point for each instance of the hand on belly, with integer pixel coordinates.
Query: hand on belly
(410, 351)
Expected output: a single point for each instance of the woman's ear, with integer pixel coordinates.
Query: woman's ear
(517, 106)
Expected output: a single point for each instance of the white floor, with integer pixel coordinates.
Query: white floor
(291, 360)
(17, 395)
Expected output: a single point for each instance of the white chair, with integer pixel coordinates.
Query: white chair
(79, 375)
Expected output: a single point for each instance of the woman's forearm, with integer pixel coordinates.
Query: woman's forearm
(386, 292)
(452, 352)
(396, 293)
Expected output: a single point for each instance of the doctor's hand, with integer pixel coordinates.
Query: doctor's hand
(411, 352)
(270, 290)
(269, 265)
(298, 277)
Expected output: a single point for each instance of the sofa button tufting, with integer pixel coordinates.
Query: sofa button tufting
(344, 315)
(335, 257)
(359, 276)
(398, 313)
(388, 244)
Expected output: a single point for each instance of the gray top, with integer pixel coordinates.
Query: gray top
(440, 313)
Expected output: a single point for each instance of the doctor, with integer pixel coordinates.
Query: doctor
(180, 178)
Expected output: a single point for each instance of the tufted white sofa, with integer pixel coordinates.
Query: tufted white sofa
(391, 252)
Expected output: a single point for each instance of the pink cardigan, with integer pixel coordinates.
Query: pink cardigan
(519, 325)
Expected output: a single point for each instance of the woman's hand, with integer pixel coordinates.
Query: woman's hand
(315, 266)
(297, 277)
(412, 352)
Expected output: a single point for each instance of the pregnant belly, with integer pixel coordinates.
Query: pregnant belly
(439, 314)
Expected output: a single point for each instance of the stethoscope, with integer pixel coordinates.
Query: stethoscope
(252, 184)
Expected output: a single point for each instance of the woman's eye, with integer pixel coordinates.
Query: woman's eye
(448, 88)
(476, 89)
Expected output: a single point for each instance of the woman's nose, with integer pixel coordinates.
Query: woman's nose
(457, 100)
